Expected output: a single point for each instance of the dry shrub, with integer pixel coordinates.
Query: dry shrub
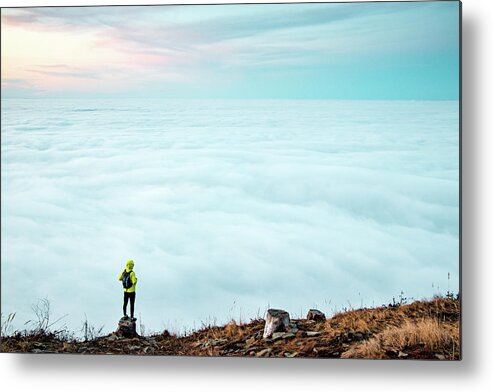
(378, 319)
(363, 320)
(232, 330)
(342, 320)
(427, 332)
(369, 349)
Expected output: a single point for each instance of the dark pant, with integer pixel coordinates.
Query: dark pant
(126, 297)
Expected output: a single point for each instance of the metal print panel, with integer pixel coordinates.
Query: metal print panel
(256, 180)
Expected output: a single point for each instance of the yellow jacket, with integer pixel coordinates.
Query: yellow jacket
(129, 268)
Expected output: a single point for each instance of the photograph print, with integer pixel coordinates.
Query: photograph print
(247, 180)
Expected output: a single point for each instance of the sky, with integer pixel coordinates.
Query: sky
(296, 51)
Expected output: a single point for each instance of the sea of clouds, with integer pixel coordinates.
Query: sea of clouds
(227, 207)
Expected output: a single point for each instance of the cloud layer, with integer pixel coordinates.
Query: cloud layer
(227, 207)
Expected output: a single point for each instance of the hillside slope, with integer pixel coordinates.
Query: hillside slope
(421, 330)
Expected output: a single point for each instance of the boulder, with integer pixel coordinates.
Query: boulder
(276, 321)
(316, 315)
(127, 328)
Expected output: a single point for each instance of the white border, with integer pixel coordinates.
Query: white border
(78, 373)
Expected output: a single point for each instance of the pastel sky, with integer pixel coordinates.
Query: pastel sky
(324, 51)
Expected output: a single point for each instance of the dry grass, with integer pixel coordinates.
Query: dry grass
(376, 320)
(233, 330)
(429, 334)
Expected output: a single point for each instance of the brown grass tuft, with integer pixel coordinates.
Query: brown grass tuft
(427, 333)
(233, 330)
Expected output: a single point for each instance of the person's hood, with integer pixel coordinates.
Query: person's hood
(130, 265)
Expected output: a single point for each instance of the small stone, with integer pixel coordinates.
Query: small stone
(402, 355)
(290, 355)
(264, 352)
(288, 335)
(311, 334)
(277, 335)
(218, 342)
(440, 357)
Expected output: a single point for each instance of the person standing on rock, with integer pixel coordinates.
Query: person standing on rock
(129, 281)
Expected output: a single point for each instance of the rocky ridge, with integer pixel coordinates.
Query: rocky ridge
(421, 330)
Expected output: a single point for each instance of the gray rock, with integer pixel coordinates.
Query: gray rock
(277, 336)
(316, 315)
(126, 328)
(311, 334)
(282, 335)
(276, 321)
